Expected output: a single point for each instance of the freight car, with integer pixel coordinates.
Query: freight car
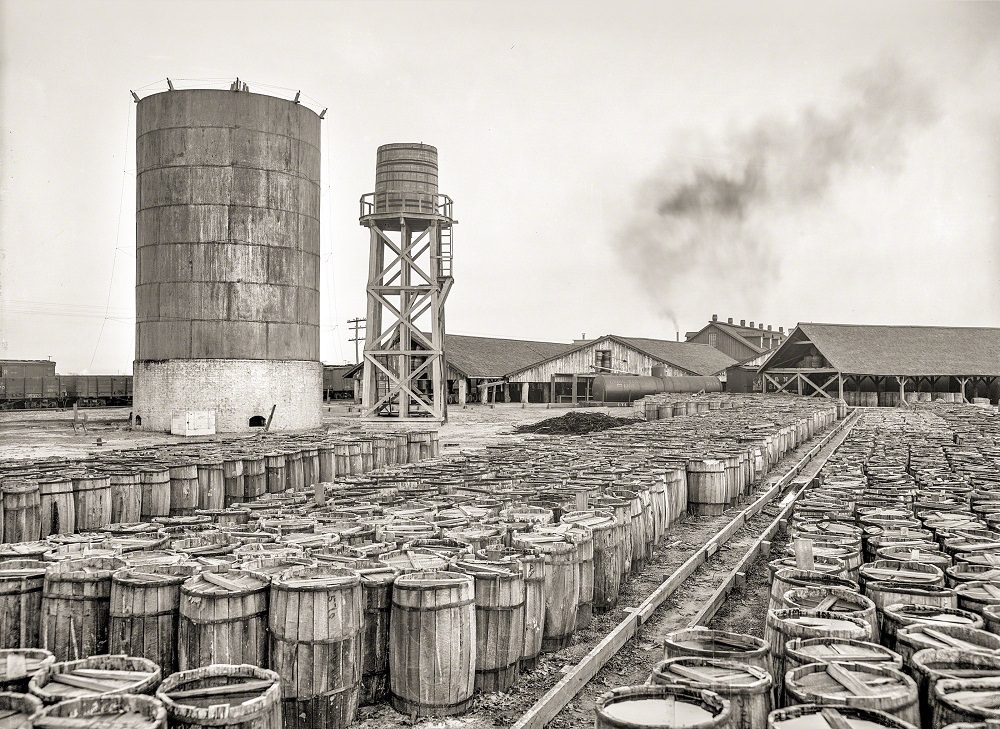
(60, 391)
(335, 385)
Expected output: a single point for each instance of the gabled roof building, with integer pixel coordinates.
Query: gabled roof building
(877, 364)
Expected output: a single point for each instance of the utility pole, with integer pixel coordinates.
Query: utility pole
(357, 325)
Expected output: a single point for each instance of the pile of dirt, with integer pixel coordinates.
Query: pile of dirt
(574, 423)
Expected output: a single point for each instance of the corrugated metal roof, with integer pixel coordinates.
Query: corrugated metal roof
(861, 349)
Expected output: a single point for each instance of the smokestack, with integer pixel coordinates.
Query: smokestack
(761, 326)
(743, 322)
(751, 324)
(730, 320)
(678, 336)
(715, 317)
(781, 330)
(768, 327)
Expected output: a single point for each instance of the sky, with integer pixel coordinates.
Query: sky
(627, 167)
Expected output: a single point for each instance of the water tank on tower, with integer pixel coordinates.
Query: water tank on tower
(227, 259)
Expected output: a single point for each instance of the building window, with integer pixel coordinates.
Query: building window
(713, 339)
(602, 359)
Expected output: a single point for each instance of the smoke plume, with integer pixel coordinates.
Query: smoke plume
(706, 212)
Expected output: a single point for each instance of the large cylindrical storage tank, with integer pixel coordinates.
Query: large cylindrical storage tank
(227, 260)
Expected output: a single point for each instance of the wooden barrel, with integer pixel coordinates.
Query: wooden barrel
(233, 482)
(433, 613)
(899, 614)
(92, 501)
(910, 639)
(584, 561)
(930, 666)
(861, 685)
(890, 593)
(790, 578)
(254, 476)
(707, 493)
(57, 510)
(223, 619)
(718, 645)
(294, 474)
(76, 606)
(236, 696)
(746, 688)
(376, 605)
(184, 489)
(211, 484)
(17, 708)
(327, 467)
(126, 496)
(95, 676)
(310, 467)
(500, 595)
(916, 574)
(21, 584)
(274, 473)
(818, 716)
(145, 606)
(956, 701)
(18, 665)
(834, 600)
(155, 492)
(21, 512)
(128, 711)
(606, 542)
(800, 652)
(315, 623)
(785, 625)
(965, 572)
(667, 706)
(976, 595)
(562, 587)
(532, 567)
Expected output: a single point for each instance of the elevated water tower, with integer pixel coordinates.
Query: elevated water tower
(409, 277)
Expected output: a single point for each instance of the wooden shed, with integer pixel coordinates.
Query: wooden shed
(882, 365)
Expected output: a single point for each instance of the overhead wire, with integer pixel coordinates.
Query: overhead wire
(118, 233)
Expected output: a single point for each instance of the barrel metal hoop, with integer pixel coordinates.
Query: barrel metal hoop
(449, 606)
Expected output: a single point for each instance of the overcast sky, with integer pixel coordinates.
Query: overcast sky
(625, 167)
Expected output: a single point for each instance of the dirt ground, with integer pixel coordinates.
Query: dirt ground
(45, 433)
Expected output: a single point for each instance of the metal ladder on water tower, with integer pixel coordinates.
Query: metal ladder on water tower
(445, 271)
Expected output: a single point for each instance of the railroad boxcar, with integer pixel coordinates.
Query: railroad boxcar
(335, 385)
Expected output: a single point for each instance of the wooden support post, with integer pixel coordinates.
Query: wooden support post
(902, 388)
(798, 382)
(506, 392)
(840, 385)
(575, 381)
(525, 392)
(463, 386)
(552, 388)
(962, 382)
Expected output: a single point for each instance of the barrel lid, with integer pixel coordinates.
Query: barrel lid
(815, 716)
(979, 590)
(17, 569)
(712, 672)
(414, 559)
(94, 676)
(221, 583)
(841, 650)
(19, 663)
(323, 577)
(850, 680)
(901, 571)
(928, 635)
(150, 575)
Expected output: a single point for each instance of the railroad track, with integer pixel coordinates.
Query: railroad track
(628, 653)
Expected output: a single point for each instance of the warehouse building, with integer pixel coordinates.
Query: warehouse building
(739, 341)
(880, 365)
(488, 369)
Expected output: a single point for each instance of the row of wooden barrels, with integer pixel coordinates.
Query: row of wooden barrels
(123, 692)
(42, 498)
(882, 613)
